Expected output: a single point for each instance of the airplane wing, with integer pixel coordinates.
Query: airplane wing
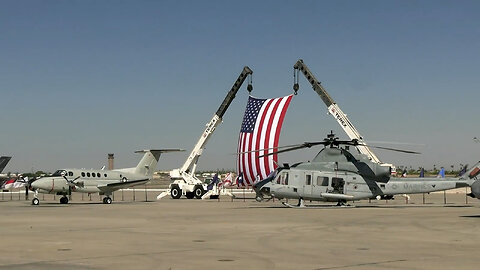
(116, 186)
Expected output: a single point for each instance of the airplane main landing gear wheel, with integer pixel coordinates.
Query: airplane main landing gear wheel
(35, 201)
(198, 192)
(107, 200)
(63, 200)
(175, 192)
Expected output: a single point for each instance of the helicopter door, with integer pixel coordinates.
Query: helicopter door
(338, 185)
(320, 184)
(308, 187)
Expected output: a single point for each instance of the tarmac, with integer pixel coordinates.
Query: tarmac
(434, 232)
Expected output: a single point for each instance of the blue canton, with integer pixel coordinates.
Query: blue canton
(251, 114)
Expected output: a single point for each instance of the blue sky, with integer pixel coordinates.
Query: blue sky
(80, 79)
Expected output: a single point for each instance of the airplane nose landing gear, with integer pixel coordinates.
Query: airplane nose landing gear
(35, 201)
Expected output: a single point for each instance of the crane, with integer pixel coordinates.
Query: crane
(184, 180)
(335, 111)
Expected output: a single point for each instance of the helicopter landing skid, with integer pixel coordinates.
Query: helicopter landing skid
(318, 206)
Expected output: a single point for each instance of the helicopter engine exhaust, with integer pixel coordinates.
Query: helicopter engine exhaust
(376, 171)
(382, 171)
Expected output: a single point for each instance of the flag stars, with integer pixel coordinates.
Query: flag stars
(251, 114)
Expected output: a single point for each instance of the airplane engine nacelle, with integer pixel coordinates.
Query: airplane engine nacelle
(475, 190)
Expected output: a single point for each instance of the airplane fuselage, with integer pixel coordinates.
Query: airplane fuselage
(87, 181)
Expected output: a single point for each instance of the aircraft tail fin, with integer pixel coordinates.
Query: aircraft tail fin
(3, 162)
(473, 172)
(148, 163)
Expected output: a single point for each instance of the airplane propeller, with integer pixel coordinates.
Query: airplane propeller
(72, 183)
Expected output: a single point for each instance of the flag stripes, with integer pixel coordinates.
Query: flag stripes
(260, 129)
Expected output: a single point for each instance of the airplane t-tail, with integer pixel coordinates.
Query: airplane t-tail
(105, 182)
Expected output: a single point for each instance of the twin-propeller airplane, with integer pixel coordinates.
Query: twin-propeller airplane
(105, 182)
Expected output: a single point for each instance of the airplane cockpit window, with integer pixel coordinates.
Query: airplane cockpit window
(70, 173)
(308, 179)
(59, 173)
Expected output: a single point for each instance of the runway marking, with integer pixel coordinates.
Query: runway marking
(360, 264)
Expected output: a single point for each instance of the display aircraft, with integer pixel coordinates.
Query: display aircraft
(339, 175)
(105, 182)
(3, 162)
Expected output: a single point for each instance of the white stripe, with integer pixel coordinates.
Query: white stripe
(255, 134)
(242, 157)
(246, 173)
(273, 133)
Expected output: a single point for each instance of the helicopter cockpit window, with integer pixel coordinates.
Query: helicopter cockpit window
(59, 173)
(322, 181)
(283, 179)
(308, 179)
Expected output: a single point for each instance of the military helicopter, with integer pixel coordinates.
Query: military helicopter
(337, 174)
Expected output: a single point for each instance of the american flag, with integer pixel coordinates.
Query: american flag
(261, 128)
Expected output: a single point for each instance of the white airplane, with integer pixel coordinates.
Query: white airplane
(105, 182)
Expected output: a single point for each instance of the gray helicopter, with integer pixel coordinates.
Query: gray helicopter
(337, 174)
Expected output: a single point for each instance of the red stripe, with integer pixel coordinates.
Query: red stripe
(244, 157)
(279, 127)
(266, 106)
(250, 165)
(267, 138)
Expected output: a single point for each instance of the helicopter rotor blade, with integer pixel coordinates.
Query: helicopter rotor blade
(396, 143)
(297, 147)
(266, 149)
(392, 149)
